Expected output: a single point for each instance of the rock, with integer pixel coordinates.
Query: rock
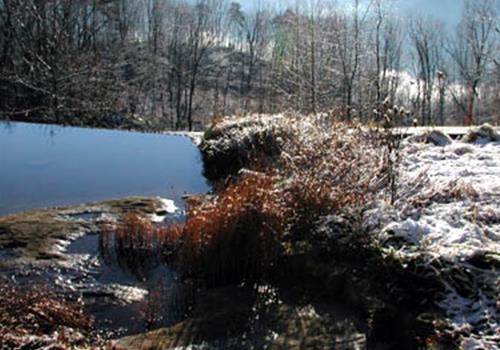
(436, 137)
(485, 133)
(485, 260)
(232, 318)
(460, 151)
(334, 232)
(439, 138)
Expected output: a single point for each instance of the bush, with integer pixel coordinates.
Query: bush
(237, 236)
(229, 146)
(39, 317)
(327, 167)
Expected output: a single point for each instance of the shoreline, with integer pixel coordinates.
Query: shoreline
(391, 269)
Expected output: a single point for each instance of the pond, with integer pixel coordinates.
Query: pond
(47, 165)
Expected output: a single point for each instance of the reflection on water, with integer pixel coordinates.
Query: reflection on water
(47, 165)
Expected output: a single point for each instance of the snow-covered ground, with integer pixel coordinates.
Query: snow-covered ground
(449, 208)
(451, 198)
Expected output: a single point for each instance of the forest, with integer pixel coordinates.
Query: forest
(173, 64)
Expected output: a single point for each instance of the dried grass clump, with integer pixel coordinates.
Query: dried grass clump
(328, 166)
(455, 190)
(235, 237)
(460, 190)
(36, 316)
(230, 239)
(137, 245)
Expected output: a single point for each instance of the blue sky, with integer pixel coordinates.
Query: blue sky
(448, 11)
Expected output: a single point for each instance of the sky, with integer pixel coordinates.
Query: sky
(449, 11)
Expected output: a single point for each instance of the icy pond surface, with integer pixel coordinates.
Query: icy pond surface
(47, 165)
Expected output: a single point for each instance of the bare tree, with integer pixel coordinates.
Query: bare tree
(426, 41)
(388, 51)
(471, 49)
(349, 48)
(171, 63)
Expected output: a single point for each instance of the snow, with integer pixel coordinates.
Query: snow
(168, 206)
(457, 194)
(449, 207)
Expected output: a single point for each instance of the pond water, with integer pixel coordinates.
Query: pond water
(47, 165)
(128, 290)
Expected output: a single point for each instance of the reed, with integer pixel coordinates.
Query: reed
(35, 315)
(237, 236)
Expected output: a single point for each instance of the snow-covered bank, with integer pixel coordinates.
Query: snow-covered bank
(449, 210)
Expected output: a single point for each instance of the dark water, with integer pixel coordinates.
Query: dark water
(124, 293)
(46, 165)
(165, 300)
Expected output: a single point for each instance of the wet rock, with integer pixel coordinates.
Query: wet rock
(42, 233)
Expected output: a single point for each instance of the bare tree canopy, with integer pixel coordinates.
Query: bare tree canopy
(174, 64)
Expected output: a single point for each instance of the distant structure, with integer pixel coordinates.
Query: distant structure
(415, 122)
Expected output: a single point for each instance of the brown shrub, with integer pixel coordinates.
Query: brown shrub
(30, 316)
(235, 237)
(329, 167)
(323, 167)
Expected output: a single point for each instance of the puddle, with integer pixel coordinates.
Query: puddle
(87, 244)
(128, 290)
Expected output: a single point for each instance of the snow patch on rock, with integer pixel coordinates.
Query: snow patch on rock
(167, 207)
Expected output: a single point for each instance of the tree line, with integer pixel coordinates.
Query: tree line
(176, 64)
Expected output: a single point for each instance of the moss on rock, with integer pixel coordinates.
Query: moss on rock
(230, 146)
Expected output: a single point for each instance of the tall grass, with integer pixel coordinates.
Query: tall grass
(237, 236)
(234, 238)
(137, 246)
